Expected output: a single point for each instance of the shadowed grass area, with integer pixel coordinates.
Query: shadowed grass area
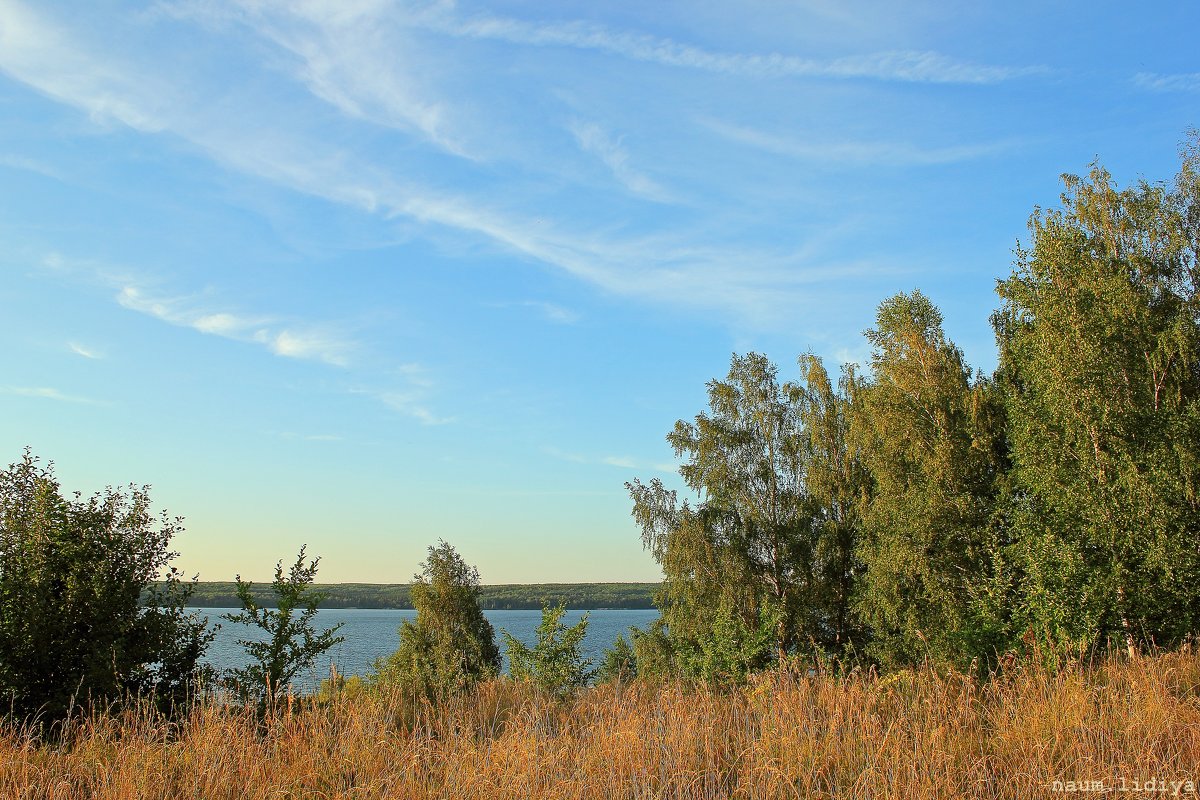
(906, 735)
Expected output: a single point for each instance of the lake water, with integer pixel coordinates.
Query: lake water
(373, 633)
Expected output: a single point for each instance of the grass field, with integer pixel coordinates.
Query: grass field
(907, 735)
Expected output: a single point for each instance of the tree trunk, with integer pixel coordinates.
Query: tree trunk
(1129, 648)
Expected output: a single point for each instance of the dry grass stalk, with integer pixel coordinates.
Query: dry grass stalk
(909, 735)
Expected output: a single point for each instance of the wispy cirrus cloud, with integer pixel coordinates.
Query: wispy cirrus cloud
(313, 344)
(407, 389)
(87, 352)
(620, 462)
(30, 165)
(309, 437)
(595, 140)
(46, 393)
(411, 402)
(288, 340)
(551, 312)
(897, 65)
(854, 153)
(674, 267)
(659, 267)
(355, 56)
(29, 48)
(1172, 82)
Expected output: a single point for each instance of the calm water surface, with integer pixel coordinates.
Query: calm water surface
(374, 633)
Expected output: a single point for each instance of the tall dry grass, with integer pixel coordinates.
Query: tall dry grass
(909, 735)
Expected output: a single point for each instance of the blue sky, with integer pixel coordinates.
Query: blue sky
(364, 275)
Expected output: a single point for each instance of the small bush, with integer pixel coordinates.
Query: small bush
(292, 643)
(555, 664)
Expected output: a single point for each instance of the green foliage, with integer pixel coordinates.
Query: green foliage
(555, 664)
(734, 650)
(450, 644)
(774, 535)
(351, 687)
(73, 625)
(1099, 337)
(619, 663)
(835, 482)
(930, 441)
(292, 644)
(925, 512)
(653, 652)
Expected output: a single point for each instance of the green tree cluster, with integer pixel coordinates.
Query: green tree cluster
(1099, 335)
(763, 566)
(93, 613)
(925, 511)
(91, 610)
(927, 434)
(619, 662)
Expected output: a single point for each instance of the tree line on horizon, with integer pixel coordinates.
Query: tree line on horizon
(917, 511)
(512, 596)
(923, 511)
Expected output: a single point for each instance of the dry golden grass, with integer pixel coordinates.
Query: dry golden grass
(909, 735)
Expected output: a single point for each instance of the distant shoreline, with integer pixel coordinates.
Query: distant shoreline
(511, 596)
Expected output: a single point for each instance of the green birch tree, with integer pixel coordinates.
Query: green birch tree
(450, 645)
(1100, 356)
(927, 433)
(835, 483)
(765, 562)
(555, 663)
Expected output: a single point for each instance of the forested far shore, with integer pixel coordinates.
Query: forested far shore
(515, 596)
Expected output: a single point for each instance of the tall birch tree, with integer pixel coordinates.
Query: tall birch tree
(1100, 350)
(926, 430)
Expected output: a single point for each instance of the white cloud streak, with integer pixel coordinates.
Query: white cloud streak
(1178, 82)
(347, 54)
(623, 462)
(593, 139)
(30, 48)
(45, 393)
(310, 343)
(314, 345)
(661, 268)
(411, 402)
(620, 462)
(551, 312)
(86, 352)
(896, 154)
(897, 65)
(554, 313)
(30, 165)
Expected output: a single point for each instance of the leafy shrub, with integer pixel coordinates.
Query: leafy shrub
(555, 664)
(619, 662)
(292, 643)
(84, 617)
